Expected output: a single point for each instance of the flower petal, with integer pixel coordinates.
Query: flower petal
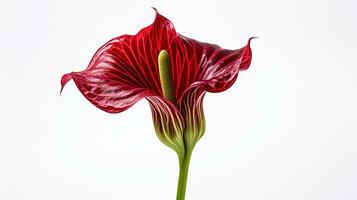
(191, 107)
(206, 65)
(168, 123)
(106, 93)
(124, 70)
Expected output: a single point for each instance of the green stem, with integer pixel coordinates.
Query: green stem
(182, 182)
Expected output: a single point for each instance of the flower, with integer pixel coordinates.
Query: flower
(127, 69)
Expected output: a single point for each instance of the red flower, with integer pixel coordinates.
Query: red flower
(126, 69)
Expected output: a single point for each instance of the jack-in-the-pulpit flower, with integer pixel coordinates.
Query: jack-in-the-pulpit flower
(171, 71)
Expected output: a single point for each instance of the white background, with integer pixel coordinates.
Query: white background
(286, 130)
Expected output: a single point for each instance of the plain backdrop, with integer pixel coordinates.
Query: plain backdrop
(286, 130)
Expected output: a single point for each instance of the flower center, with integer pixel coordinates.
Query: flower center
(167, 84)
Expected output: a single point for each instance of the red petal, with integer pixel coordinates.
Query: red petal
(206, 65)
(124, 70)
(191, 107)
(105, 92)
(168, 122)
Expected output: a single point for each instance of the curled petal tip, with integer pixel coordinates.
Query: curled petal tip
(156, 12)
(247, 55)
(251, 38)
(64, 80)
(154, 9)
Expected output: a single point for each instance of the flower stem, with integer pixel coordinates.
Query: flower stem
(182, 182)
